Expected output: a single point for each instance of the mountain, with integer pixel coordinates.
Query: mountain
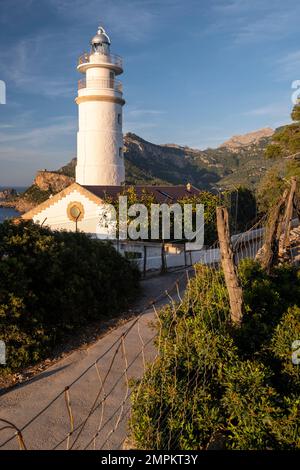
(240, 160)
(237, 142)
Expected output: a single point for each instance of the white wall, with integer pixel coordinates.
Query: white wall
(100, 138)
(98, 142)
(57, 218)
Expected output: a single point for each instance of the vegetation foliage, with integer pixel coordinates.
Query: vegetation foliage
(53, 282)
(242, 206)
(209, 201)
(35, 195)
(285, 147)
(218, 386)
(286, 141)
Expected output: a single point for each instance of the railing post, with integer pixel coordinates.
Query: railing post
(229, 269)
(163, 259)
(287, 219)
(269, 252)
(145, 261)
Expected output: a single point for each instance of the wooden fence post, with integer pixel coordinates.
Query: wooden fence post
(229, 269)
(145, 261)
(163, 259)
(269, 252)
(287, 219)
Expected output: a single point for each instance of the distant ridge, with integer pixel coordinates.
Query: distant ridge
(238, 161)
(238, 141)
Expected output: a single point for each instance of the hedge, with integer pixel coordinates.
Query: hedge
(51, 283)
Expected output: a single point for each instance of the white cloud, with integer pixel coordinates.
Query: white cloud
(36, 137)
(138, 112)
(141, 119)
(23, 149)
(256, 20)
(271, 110)
(131, 19)
(26, 66)
(289, 65)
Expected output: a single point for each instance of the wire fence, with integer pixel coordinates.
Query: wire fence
(93, 410)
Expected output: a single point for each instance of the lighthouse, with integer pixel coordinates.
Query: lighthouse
(100, 171)
(100, 160)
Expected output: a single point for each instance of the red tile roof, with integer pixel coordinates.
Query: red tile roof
(162, 194)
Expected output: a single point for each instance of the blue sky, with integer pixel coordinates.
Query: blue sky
(196, 72)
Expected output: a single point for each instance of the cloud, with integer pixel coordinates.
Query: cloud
(271, 110)
(37, 137)
(138, 112)
(289, 65)
(6, 126)
(9, 6)
(24, 149)
(255, 21)
(130, 19)
(142, 119)
(28, 67)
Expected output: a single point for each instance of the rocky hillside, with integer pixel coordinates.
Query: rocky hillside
(44, 184)
(237, 142)
(52, 181)
(238, 161)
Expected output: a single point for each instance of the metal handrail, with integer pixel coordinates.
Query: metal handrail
(101, 83)
(108, 59)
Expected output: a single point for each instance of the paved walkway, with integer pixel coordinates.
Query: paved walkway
(113, 356)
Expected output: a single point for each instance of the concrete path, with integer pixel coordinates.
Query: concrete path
(118, 360)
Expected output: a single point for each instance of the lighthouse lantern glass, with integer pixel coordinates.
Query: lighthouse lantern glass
(100, 48)
(101, 42)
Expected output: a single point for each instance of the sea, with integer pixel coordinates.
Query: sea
(9, 212)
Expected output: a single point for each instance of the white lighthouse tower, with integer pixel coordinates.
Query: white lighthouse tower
(100, 158)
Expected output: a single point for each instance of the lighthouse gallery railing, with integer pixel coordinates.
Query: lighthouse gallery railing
(109, 59)
(101, 83)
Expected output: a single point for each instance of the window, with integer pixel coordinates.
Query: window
(75, 211)
(132, 255)
(120, 152)
(111, 79)
(119, 118)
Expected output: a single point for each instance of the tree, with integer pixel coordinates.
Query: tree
(242, 207)
(147, 198)
(271, 187)
(285, 147)
(286, 141)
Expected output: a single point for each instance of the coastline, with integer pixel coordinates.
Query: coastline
(12, 198)
(20, 205)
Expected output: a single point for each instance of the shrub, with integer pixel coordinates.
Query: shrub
(215, 385)
(35, 194)
(286, 332)
(52, 283)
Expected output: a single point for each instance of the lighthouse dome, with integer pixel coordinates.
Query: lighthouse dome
(100, 38)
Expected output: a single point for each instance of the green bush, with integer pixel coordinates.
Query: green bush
(53, 282)
(35, 194)
(217, 385)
